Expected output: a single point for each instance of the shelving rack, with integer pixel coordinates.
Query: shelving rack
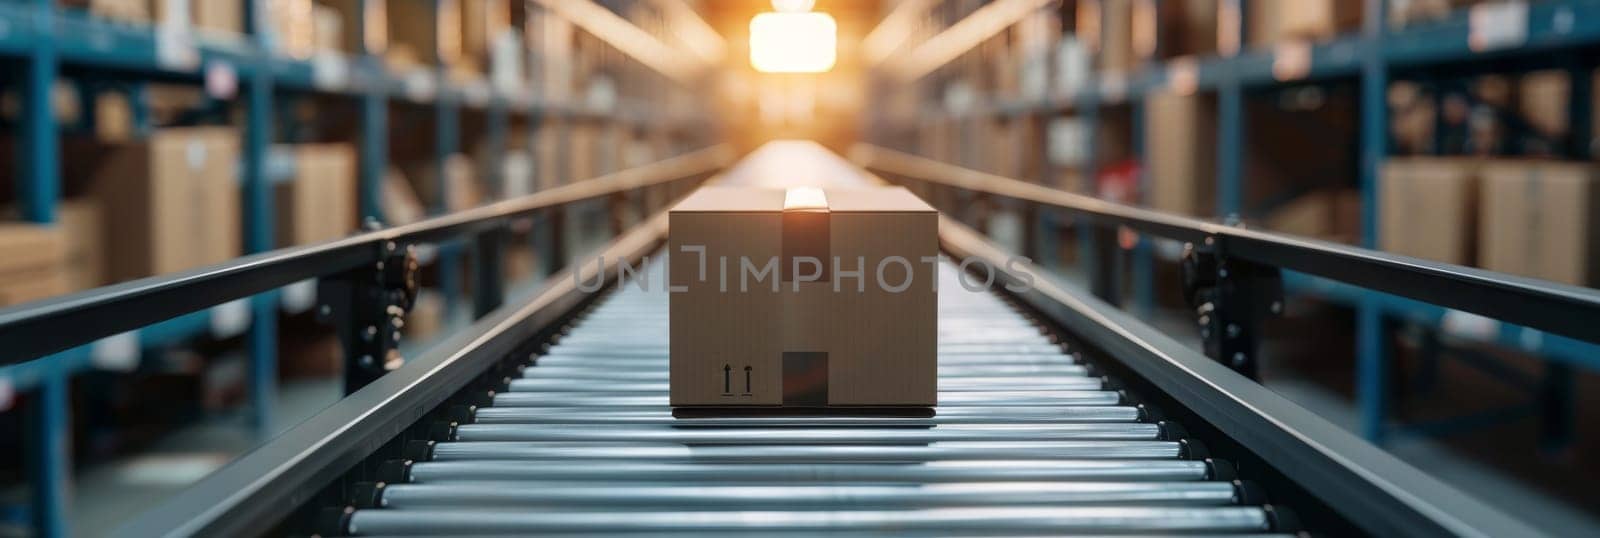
(1525, 31)
(41, 39)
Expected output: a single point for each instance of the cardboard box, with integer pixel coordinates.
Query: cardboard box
(431, 35)
(170, 202)
(327, 29)
(1539, 220)
(1188, 27)
(1427, 208)
(117, 10)
(84, 230)
(294, 26)
(31, 259)
(1542, 99)
(802, 334)
(113, 117)
(1180, 146)
(481, 22)
(1281, 20)
(460, 171)
(318, 202)
(400, 204)
(1333, 215)
(1116, 37)
(212, 16)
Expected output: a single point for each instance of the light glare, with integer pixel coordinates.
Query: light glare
(793, 42)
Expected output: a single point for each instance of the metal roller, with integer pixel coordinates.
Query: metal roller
(918, 473)
(948, 520)
(666, 452)
(591, 370)
(998, 398)
(535, 496)
(611, 433)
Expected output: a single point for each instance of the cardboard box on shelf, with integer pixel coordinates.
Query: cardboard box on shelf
(318, 201)
(1542, 100)
(294, 26)
(117, 10)
(1539, 220)
(1116, 37)
(461, 174)
(431, 35)
(1180, 135)
(1332, 214)
(213, 16)
(1282, 20)
(327, 29)
(113, 117)
(226, 16)
(1188, 27)
(171, 202)
(482, 21)
(855, 328)
(1427, 208)
(84, 231)
(1412, 115)
(32, 257)
(400, 204)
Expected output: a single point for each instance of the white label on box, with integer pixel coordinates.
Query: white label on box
(419, 85)
(175, 48)
(1497, 25)
(329, 71)
(118, 352)
(1291, 60)
(1469, 325)
(299, 296)
(230, 319)
(1066, 141)
(194, 154)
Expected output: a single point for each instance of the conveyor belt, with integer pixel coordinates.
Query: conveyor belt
(1025, 440)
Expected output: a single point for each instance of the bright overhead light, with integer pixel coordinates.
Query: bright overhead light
(793, 6)
(793, 42)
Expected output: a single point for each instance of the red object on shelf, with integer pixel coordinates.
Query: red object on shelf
(1119, 182)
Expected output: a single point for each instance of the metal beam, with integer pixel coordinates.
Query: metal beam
(1565, 310)
(30, 331)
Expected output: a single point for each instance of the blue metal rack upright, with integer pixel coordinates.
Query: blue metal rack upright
(39, 38)
(1370, 56)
